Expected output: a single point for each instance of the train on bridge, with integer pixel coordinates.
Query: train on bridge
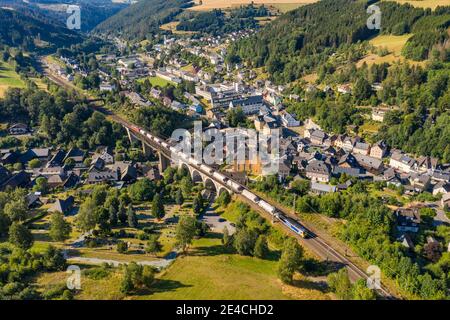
(292, 224)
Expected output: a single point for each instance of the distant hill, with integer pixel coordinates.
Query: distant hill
(142, 19)
(93, 12)
(31, 30)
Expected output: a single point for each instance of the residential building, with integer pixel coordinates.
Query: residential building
(317, 137)
(402, 162)
(361, 148)
(321, 188)
(344, 89)
(441, 188)
(372, 165)
(107, 155)
(445, 202)
(63, 206)
(427, 164)
(18, 128)
(288, 120)
(378, 150)
(4, 174)
(318, 171)
(106, 86)
(408, 219)
(108, 176)
(77, 156)
(420, 182)
(250, 105)
(18, 180)
(57, 160)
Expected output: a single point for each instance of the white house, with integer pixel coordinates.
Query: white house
(289, 121)
(402, 162)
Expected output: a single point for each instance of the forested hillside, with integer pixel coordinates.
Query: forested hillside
(301, 40)
(93, 12)
(31, 30)
(142, 19)
(217, 22)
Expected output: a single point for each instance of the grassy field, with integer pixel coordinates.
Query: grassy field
(282, 5)
(369, 127)
(424, 3)
(208, 272)
(311, 78)
(157, 81)
(172, 26)
(393, 44)
(211, 273)
(9, 79)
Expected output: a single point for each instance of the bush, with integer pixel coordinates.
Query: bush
(136, 277)
(142, 236)
(98, 273)
(34, 164)
(122, 247)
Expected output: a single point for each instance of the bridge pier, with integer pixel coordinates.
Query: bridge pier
(164, 162)
(131, 136)
(146, 150)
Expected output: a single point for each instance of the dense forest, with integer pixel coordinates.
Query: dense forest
(142, 19)
(421, 125)
(25, 29)
(62, 119)
(299, 41)
(217, 22)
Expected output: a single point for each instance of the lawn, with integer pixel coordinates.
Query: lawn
(157, 81)
(9, 79)
(369, 128)
(211, 273)
(231, 213)
(394, 44)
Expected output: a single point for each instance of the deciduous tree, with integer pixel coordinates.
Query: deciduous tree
(290, 261)
(20, 236)
(59, 228)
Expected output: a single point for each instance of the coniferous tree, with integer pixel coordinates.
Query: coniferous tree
(122, 215)
(158, 207)
(132, 218)
(112, 216)
(179, 199)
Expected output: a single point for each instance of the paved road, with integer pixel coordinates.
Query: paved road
(159, 264)
(79, 242)
(216, 222)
